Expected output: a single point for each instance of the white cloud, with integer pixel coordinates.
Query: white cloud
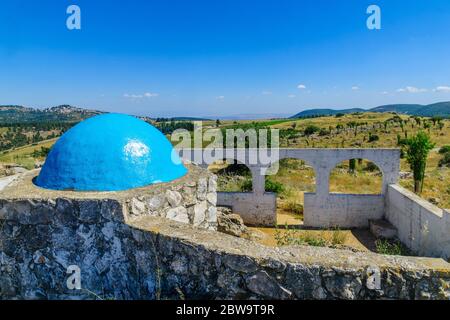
(267, 93)
(133, 96)
(355, 88)
(442, 89)
(140, 96)
(384, 92)
(410, 89)
(291, 96)
(221, 98)
(301, 87)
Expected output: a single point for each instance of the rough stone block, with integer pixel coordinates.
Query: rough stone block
(382, 229)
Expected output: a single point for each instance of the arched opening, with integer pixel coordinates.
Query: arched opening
(290, 179)
(356, 176)
(232, 176)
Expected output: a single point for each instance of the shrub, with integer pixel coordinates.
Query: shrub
(235, 169)
(273, 186)
(311, 129)
(247, 186)
(373, 138)
(294, 207)
(291, 237)
(391, 247)
(338, 237)
(371, 167)
(444, 149)
(445, 161)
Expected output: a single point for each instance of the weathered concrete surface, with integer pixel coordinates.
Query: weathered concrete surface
(5, 181)
(191, 199)
(422, 227)
(342, 210)
(255, 209)
(156, 258)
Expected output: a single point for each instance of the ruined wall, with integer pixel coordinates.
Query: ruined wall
(342, 210)
(321, 209)
(421, 226)
(255, 209)
(157, 258)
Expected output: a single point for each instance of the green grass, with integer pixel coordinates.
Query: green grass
(391, 247)
(23, 156)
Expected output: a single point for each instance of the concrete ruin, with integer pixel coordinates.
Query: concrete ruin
(423, 227)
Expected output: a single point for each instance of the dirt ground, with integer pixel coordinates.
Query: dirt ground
(359, 239)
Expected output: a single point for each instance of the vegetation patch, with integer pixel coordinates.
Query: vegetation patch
(391, 247)
(332, 238)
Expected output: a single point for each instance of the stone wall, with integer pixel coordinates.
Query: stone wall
(191, 199)
(156, 258)
(421, 226)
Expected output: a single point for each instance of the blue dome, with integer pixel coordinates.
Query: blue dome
(110, 152)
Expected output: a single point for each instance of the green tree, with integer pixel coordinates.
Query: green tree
(311, 129)
(418, 148)
(352, 165)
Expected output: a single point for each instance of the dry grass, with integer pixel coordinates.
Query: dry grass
(23, 155)
(324, 238)
(437, 180)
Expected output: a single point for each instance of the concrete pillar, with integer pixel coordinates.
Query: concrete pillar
(322, 181)
(258, 180)
(388, 179)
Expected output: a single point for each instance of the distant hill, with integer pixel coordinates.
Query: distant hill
(325, 112)
(441, 109)
(63, 113)
(255, 116)
(189, 119)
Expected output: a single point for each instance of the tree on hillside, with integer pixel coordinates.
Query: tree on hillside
(418, 148)
(311, 129)
(436, 119)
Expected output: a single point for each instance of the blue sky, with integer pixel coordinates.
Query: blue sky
(223, 57)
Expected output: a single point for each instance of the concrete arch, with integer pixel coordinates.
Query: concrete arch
(309, 164)
(251, 170)
(321, 207)
(380, 191)
(387, 160)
